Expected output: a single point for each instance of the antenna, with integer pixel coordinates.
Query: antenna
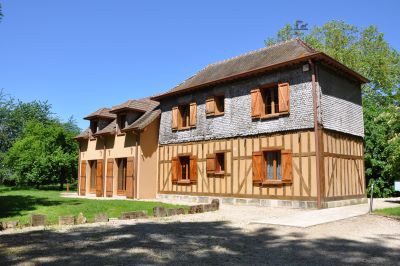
(299, 26)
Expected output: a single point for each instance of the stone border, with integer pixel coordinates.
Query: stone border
(295, 204)
(71, 220)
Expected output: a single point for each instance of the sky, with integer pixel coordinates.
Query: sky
(84, 55)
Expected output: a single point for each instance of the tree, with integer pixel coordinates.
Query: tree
(45, 154)
(367, 52)
(1, 13)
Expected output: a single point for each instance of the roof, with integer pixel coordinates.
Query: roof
(254, 62)
(144, 120)
(109, 129)
(84, 134)
(101, 113)
(141, 105)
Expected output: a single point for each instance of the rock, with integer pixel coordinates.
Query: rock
(171, 212)
(200, 209)
(38, 220)
(133, 215)
(66, 220)
(180, 211)
(81, 219)
(215, 204)
(207, 207)
(192, 209)
(9, 225)
(101, 218)
(159, 212)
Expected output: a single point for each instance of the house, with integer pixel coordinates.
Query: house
(282, 125)
(118, 152)
(279, 126)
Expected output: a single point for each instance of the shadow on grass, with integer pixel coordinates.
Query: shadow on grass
(14, 205)
(187, 243)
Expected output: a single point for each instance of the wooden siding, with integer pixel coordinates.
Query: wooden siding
(343, 166)
(237, 182)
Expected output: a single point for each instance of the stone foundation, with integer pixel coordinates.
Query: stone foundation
(297, 204)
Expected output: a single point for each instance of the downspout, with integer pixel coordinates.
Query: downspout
(137, 164)
(316, 132)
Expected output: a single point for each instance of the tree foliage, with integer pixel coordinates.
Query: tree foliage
(367, 52)
(35, 147)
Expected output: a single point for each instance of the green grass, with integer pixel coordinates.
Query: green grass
(395, 211)
(19, 204)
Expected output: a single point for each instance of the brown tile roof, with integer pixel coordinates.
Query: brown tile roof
(144, 120)
(101, 113)
(84, 134)
(141, 105)
(251, 62)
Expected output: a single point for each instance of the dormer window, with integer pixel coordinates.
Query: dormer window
(122, 121)
(93, 126)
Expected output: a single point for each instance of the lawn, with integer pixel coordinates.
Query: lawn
(395, 211)
(18, 204)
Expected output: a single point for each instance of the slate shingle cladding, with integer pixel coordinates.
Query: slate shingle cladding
(237, 119)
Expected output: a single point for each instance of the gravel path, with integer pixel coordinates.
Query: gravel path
(223, 237)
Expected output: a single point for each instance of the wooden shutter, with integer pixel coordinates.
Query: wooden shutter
(256, 103)
(193, 168)
(109, 182)
(210, 106)
(99, 179)
(286, 158)
(210, 162)
(193, 114)
(175, 112)
(258, 166)
(82, 183)
(129, 177)
(284, 97)
(175, 169)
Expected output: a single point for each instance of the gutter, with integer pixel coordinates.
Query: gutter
(316, 132)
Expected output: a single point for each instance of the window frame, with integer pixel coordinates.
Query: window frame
(180, 116)
(191, 175)
(119, 120)
(216, 101)
(284, 179)
(94, 124)
(275, 178)
(222, 168)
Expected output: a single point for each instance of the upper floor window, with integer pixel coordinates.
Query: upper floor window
(215, 105)
(270, 100)
(121, 121)
(184, 116)
(93, 126)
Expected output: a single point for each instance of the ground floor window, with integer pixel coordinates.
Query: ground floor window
(93, 172)
(121, 188)
(273, 165)
(185, 167)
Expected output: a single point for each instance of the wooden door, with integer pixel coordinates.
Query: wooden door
(82, 183)
(109, 182)
(99, 179)
(130, 178)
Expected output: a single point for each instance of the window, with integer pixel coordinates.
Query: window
(215, 105)
(215, 163)
(184, 116)
(272, 166)
(184, 169)
(93, 172)
(121, 121)
(270, 100)
(121, 188)
(93, 126)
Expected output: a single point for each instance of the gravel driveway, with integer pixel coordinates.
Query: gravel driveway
(224, 237)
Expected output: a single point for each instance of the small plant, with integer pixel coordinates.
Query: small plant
(381, 188)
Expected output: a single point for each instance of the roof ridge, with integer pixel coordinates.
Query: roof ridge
(250, 52)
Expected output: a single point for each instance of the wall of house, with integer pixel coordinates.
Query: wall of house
(238, 179)
(343, 164)
(237, 119)
(341, 104)
(148, 155)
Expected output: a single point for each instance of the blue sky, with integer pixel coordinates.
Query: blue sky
(83, 55)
